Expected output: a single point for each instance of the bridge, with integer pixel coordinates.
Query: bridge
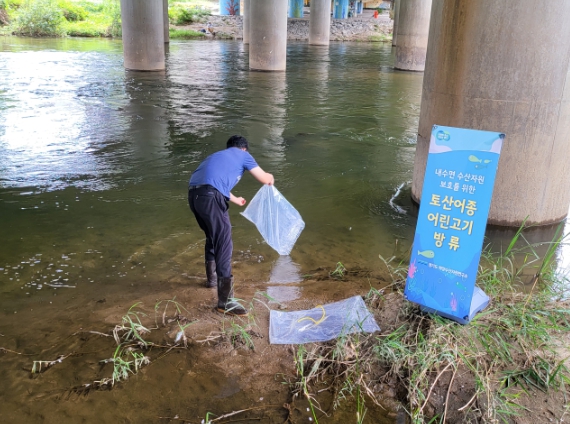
(490, 65)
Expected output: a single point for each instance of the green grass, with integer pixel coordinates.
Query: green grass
(185, 34)
(184, 15)
(81, 18)
(507, 352)
(509, 349)
(380, 38)
(95, 25)
(84, 18)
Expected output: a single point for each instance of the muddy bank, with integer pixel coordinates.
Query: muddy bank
(362, 28)
(202, 365)
(226, 366)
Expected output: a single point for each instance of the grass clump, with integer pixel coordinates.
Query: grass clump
(184, 15)
(100, 20)
(379, 38)
(508, 351)
(487, 371)
(133, 345)
(72, 11)
(49, 18)
(38, 18)
(185, 34)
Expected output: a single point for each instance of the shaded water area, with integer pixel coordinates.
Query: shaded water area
(94, 164)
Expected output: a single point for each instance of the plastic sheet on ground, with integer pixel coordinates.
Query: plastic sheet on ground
(321, 323)
(276, 219)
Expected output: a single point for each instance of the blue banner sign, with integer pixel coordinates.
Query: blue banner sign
(456, 196)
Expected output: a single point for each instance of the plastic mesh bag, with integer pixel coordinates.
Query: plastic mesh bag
(321, 323)
(276, 219)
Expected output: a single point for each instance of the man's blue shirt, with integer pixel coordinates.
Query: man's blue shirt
(223, 169)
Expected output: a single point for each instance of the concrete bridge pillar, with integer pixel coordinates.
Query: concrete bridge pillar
(166, 21)
(396, 16)
(413, 29)
(296, 8)
(268, 36)
(320, 22)
(483, 71)
(143, 34)
(340, 9)
(229, 7)
(245, 22)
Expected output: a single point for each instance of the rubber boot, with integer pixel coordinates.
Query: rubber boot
(226, 304)
(212, 277)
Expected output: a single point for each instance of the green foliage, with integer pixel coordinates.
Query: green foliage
(379, 38)
(72, 11)
(101, 20)
(91, 7)
(507, 350)
(127, 361)
(88, 28)
(339, 271)
(112, 8)
(11, 4)
(180, 15)
(184, 34)
(38, 18)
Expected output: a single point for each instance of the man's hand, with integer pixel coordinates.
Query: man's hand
(240, 201)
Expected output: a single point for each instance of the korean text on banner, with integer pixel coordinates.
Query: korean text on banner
(455, 201)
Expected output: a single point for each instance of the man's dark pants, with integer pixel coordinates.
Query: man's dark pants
(210, 208)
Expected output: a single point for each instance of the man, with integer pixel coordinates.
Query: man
(208, 196)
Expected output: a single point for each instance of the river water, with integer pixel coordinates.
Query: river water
(95, 160)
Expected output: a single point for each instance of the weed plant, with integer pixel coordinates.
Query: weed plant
(185, 34)
(379, 38)
(451, 373)
(132, 350)
(184, 15)
(339, 271)
(36, 18)
(39, 18)
(508, 350)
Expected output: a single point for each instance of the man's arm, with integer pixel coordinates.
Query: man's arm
(240, 201)
(262, 176)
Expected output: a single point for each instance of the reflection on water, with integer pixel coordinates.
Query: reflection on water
(93, 158)
(96, 159)
(94, 164)
(285, 273)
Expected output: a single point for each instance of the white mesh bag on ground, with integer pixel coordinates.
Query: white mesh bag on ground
(276, 219)
(321, 323)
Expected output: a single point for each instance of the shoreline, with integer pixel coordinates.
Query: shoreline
(363, 28)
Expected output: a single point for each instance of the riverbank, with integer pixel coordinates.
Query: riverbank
(184, 362)
(91, 19)
(98, 235)
(362, 28)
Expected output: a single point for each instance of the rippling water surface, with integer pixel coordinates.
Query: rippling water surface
(94, 160)
(94, 164)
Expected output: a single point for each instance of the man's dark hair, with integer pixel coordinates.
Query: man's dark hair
(237, 141)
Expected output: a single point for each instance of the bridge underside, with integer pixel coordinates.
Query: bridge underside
(482, 71)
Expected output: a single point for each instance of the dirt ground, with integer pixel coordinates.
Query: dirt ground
(216, 375)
